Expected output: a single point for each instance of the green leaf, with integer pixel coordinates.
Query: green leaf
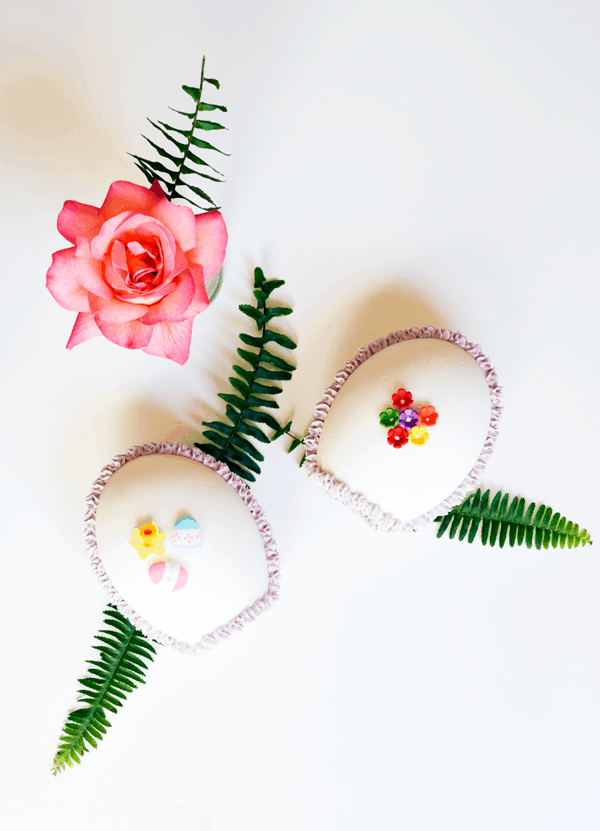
(234, 400)
(251, 340)
(208, 125)
(254, 403)
(253, 389)
(241, 386)
(180, 152)
(247, 447)
(106, 688)
(539, 515)
(484, 504)
(252, 312)
(275, 360)
(279, 339)
(277, 311)
(474, 526)
(204, 106)
(193, 91)
(254, 431)
(273, 374)
(217, 425)
(464, 527)
(270, 285)
(201, 194)
(502, 521)
(495, 506)
(252, 358)
(456, 520)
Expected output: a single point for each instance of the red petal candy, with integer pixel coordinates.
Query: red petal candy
(402, 399)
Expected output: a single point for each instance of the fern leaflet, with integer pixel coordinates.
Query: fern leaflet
(499, 521)
(181, 157)
(124, 653)
(254, 388)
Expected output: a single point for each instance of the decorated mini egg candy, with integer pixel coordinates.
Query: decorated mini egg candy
(187, 536)
(168, 575)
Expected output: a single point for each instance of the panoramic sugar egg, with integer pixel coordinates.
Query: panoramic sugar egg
(402, 484)
(232, 581)
(168, 575)
(187, 536)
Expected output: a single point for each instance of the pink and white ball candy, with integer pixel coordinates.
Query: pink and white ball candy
(168, 575)
(187, 536)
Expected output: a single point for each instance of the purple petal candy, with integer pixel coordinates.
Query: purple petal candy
(408, 418)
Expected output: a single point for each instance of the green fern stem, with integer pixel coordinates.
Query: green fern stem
(533, 525)
(223, 452)
(122, 666)
(189, 141)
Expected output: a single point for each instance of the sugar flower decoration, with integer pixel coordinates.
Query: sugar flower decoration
(408, 418)
(402, 399)
(137, 269)
(428, 416)
(389, 417)
(397, 436)
(148, 540)
(418, 435)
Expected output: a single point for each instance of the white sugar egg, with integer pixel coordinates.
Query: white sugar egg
(401, 488)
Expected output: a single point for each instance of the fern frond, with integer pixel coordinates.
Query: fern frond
(124, 653)
(503, 520)
(254, 388)
(180, 160)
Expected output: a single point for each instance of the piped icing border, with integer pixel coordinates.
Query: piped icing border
(221, 633)
(358, 503)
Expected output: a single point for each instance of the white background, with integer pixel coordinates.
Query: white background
(398, 164)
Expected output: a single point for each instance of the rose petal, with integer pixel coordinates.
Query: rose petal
(115, 311)
(131, 335)
(78, 220)
(180, 220)
(84, 329)
(174, 305)
(200, 301)
(171, 340)
(157, 190)
(139, 225)
(101, 243)
(125, 196)
(211, 241)
(62, 285)
(88, 272)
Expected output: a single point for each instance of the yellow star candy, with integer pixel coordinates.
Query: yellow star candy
(148, 540)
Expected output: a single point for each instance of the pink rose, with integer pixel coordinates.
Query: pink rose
(138, 269)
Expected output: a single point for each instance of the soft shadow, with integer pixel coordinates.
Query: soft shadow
(88, 444)
(349, 316)
(48, 119)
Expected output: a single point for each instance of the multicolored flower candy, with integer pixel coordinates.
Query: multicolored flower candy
(389, 417)
(428, 416)
(397, 436)
(408, 418)
(402, 399)
(418, 435)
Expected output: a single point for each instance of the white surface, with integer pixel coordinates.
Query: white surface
(227, 576)
(407, 482)
(397, 164)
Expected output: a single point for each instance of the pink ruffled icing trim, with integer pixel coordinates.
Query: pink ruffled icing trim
(272, 555)
(371, 512)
